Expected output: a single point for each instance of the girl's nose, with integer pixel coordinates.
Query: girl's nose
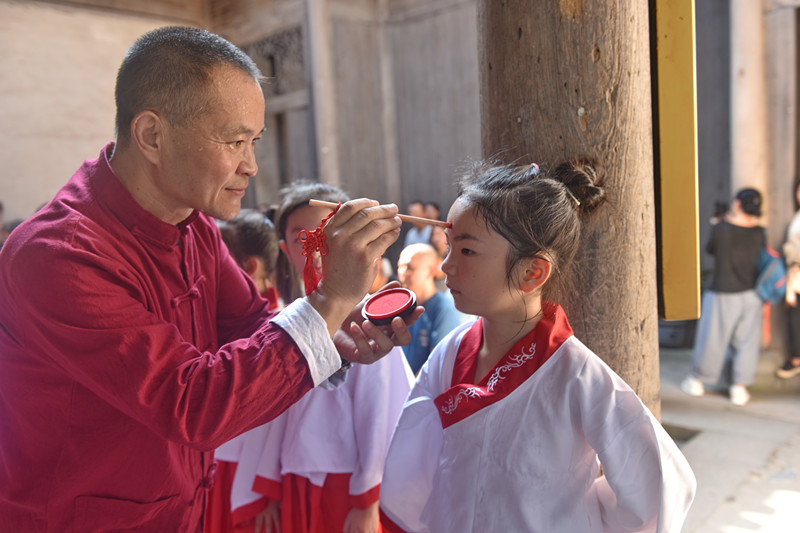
(446, 265)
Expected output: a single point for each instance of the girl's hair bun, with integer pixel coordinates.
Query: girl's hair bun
(583, 178)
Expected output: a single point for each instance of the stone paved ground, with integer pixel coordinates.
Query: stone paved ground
(746, 459)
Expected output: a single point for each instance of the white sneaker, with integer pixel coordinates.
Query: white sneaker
(693, 386)
(739, 394)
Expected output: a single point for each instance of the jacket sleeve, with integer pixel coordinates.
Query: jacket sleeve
(86, 316)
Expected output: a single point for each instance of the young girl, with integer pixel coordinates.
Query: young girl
(320, 463)
(512, 417)
(253, 243)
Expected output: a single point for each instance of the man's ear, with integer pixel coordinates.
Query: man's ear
(147, 133)
(537, 272)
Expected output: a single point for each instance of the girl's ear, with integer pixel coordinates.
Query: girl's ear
(251, 265)
(536, 274)
(282, 245)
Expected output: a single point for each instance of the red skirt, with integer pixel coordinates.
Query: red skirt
(307, 508)
(219, 516)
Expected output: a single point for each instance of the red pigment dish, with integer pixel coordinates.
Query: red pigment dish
(383, 306)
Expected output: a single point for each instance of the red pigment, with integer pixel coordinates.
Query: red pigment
(385, 305)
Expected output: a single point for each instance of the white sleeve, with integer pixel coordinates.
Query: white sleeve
(379, 391)
(416, 447)
(310, 332)
(647, 486)
(242, 487)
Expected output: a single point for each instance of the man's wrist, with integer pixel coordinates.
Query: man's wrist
(333, 311)
(345, 366)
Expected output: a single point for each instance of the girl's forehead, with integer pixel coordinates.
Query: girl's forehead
(307, 217)
(460, 209)
(466, 219)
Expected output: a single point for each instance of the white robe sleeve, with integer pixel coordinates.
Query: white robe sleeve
(379, 391)
(242, 487)
(269, 464)
(416, 447)
(647, 484)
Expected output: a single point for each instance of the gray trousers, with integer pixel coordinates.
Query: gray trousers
(729, 329)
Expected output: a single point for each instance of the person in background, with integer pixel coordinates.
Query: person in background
(416, 270)
(730, 320)
(385, 275)
(512, 416)
(149, 345)
(252, 241)
(791, 254)
(418, 232)
(318, 467)
(432, 210)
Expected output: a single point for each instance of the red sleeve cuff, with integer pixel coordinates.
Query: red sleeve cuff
(389, 526)
(249, 511)
(270, 488)
(362, 501)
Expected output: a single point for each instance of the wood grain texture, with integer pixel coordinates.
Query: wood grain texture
(573, 78)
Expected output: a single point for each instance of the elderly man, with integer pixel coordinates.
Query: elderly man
(416, 270)
(131, 344)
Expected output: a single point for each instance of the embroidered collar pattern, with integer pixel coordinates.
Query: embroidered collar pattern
(515, 361)
(519, 364)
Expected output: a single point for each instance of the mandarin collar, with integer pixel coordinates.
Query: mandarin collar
(142, 223)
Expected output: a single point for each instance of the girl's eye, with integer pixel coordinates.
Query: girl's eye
(466, 251)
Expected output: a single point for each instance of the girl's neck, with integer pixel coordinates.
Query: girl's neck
(501, 334)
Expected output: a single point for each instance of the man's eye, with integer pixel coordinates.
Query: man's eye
(466, 251)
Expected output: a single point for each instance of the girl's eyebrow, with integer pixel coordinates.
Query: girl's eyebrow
(463, 237)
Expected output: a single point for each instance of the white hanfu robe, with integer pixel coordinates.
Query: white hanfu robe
(522, 449)
(343, 430)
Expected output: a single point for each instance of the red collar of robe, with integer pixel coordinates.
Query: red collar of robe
(465, 398)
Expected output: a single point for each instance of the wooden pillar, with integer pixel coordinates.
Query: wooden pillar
(388, 116)
(748, 97)
(323, 89)
(782, 143)
(567, 78)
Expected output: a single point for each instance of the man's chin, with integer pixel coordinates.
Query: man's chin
(223, 214)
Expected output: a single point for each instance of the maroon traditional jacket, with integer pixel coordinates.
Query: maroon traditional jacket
(129, 350)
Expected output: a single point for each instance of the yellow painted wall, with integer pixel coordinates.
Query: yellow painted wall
(677, 147)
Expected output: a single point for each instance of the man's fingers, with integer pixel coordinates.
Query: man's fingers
(360, 212)
(401, 336)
